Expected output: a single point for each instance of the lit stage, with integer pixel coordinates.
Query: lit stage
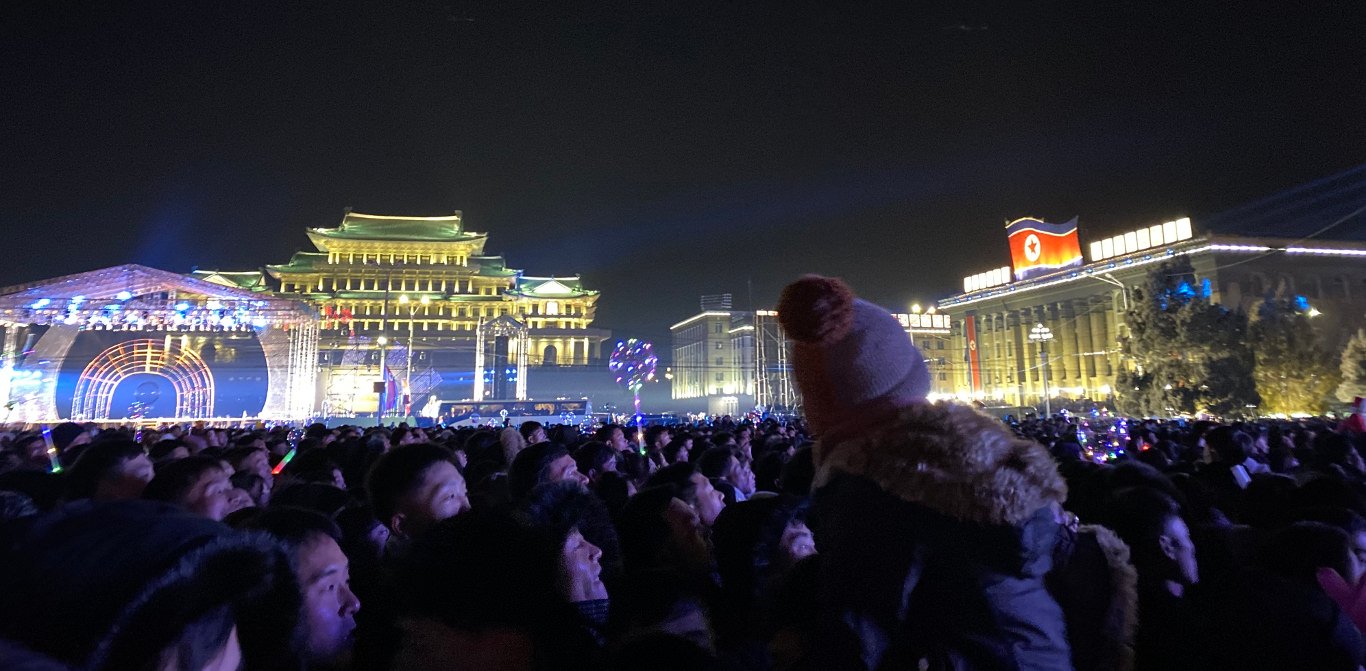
(133, 343)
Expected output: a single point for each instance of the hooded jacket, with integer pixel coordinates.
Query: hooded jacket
(935, 530)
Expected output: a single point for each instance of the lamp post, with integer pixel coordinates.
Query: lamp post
(383, 383)
(1042, 334)
(408, 370)
(1123, 288)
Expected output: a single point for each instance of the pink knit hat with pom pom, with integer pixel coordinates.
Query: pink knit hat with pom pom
(849, 355)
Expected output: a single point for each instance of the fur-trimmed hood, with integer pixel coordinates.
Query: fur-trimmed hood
(951, 459)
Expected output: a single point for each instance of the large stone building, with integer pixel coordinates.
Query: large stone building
(382, 283)
(1238, 257)
(727, 361)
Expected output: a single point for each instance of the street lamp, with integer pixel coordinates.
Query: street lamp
(1042, 334)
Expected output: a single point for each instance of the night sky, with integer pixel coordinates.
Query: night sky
(662, 149)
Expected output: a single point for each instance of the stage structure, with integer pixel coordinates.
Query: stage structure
(73, 345)
(496, 342)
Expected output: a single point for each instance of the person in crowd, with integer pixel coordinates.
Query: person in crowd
(540, 464)
(678, 449)
(571, 520)
(412, 487)
(249, 457)
(906, 490)
(512, 443)
(595, 459)
(145, 585)
(692, 487)
(109, 470)
(198, 484)
(614, 437)
(323, 574)
(169, 450)
(728, 473)
(657, 437)
(1162, 552)
(256, 487)
(533, 432)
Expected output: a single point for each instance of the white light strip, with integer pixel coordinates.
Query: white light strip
(699, 316)
(1144, 238)
(1079, 275)
(1325, 252)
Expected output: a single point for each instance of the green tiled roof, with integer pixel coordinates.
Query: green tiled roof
(300, 262)
(254, 280)
(357, 226)
(551, 286)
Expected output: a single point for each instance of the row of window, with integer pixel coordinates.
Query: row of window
(440, 325)
(395, 259)
(400, 285)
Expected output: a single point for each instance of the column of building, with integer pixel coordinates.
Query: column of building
(1086, 362)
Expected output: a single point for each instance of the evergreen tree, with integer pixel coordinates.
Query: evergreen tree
(1183, 354)
(1353, 368)
(1294, 373)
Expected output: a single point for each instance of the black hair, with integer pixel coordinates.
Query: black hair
(674, 447)
(529, 468)
(614, 491)
(320, 497)
(604, 432)
(1139, 515)
(799, 472)
(643, 529)
(175, 479)
(239, 453)
(294, 527)
(592, 455)
(96, 463)
(714, 461)
(398, 473)
(557, 508)
(652, 434)
(678, 478)
(163, 448)
(528, 428)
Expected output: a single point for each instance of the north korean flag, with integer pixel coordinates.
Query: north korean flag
(1038, 247)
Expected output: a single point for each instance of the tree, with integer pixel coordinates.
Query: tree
(1294, 373)
(1352, 368)
(1183, 354)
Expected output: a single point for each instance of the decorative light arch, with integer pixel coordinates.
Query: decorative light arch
(185, 370)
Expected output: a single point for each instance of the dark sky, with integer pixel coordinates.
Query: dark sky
(662, 149)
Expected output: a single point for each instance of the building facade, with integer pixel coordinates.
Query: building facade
(731, 361)
(999, 357)
(413, 291)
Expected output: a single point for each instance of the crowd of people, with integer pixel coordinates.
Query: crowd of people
(881, 532)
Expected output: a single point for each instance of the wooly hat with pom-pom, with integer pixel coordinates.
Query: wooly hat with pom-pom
(849, 356)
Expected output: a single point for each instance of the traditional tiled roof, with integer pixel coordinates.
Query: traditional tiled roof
(551, 287)
(253, 280)
(357, 226)
(300, 262)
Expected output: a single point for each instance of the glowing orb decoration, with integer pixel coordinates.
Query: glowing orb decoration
(633, 362)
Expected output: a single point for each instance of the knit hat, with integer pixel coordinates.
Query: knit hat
(849, 355)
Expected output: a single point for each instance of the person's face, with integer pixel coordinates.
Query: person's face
(564, 469)
(442, 494)
(797, 543)
(618, 441)
(663, 439)
(258, 463)
(337, 479)
(689, 537)
(238, 499)
(608, 465)
(127, 481)
(709, 501)
(35, 450)
(742, 476)
(580, 570)
(329, 605)
(1176, 544)
(537, 436)
(209, 495)
(1359, 548)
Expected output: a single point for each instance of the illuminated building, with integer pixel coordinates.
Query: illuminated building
(734, 361)
(1238, 257)
(425, 281)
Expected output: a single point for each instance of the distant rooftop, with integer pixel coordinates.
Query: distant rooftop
(1301, 211)
(357, 226)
